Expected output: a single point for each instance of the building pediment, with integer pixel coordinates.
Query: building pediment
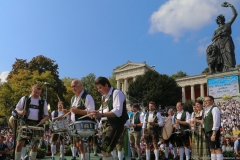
(131, 66)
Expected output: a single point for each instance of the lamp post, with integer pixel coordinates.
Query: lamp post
(46, 84)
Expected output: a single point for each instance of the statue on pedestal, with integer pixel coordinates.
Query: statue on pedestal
(220, 54)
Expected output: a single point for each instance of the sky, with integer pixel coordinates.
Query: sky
(92, 36)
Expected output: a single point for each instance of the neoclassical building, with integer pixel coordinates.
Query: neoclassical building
(192, 86)
(128, 72)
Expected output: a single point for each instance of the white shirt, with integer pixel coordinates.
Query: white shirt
(159, 117)
(33, 113)
(179, 115)
(216, 117)
(118, 99)
(60, 113)
(89, 103)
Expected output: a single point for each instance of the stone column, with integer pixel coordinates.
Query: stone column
(183, 94)
(118, 84)
(192, 93)
(134, 78)
(125, 86)
(202, 90)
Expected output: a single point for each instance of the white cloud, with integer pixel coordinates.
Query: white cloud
(178, 16)
(203, 44)
(202, 49)
(3, 76)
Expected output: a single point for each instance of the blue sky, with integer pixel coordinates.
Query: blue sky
(92, 36)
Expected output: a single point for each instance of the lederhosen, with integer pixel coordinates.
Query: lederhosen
(55, 136)
(151, 134)
(135, 131)
(208, 124)
(112, 127)
(25, 121)
(80, 106)
(182, 139)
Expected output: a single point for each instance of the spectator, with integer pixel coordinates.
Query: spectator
(3, 149)
(227, 146)
(236, 146)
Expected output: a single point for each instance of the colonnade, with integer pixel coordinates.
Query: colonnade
(193, 98)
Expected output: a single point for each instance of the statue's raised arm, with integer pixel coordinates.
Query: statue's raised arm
(226, 4)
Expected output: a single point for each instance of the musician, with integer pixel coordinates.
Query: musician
(171, 138)
(135, 127)
(212, 127)
(79, 109)
(181, 121)
(35, 112)
(57, 115)
(114, 115)
(198, 136)
(152, 123)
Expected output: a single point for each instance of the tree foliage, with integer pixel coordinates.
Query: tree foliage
(68, 95)
(152, 86)
(179, 74)
(113, 81)
(20, 84)
(39, 70)
(88, 84)
(205, 71)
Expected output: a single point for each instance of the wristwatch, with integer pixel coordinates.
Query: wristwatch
(213, 134)
(103, 115)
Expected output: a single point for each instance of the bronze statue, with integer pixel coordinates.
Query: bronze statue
(223, 41)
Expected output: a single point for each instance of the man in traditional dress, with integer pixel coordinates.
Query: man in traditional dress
(57, 115)
(35, 112)
(212, 121)
(113, 114)
(82, 103)
(151, 126)
(181, 121)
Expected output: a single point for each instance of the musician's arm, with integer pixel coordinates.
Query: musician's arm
(89, 103)
(160, 121)
(20, 105)
(46, 114)
(216, 120)
(192, 119)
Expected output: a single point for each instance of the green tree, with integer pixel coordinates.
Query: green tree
(113, 81)
(20, 84)
(43, 66)
(205, 71)
(152, 86)
(179, 74)
(5, 96)
(68, 95)
(88, 84)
